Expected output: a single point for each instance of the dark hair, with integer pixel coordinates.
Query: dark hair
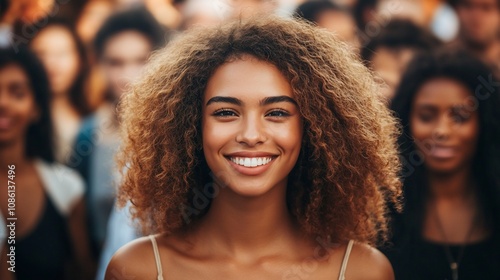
(455, 3)
(4, 6)
(312, 9)
(77, 91)
(137, 19)
(399, 34)
(360, 9)
(39, 141)
(463, 68)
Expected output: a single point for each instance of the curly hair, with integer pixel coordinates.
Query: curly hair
(348, 165)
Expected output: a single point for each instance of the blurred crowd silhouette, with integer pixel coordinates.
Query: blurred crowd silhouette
(64, 64)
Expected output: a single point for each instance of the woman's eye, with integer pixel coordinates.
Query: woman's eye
(425, 118)
(278, 113)
(224, 113)
(460, 118)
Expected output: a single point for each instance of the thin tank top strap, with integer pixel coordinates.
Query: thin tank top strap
(345, 260)
(157, 257)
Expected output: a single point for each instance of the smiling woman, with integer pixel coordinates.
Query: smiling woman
(257, 150)
(450, 226)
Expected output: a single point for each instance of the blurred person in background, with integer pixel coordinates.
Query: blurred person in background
(391, 50)
(364, 12)
(450, 225)
(248, 8)
(122, 46)
(480, 29)
(51, 241)
(14, 14)
(333, 17)
(403, 9)
(91, 18)
(65, 61)
(202, 13)
(164, 12)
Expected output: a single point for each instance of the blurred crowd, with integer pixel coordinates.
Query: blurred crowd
(77, 57)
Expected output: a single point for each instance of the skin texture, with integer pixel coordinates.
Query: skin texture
(123, 59)
(274, 130)
(17, 111)
(248, 232)
(445, 127)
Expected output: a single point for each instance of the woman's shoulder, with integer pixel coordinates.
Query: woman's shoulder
(135, 260)
(366, 262)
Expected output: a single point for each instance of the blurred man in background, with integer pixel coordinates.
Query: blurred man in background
(333, 17)
(122, 46)
(389, 53)
(480, 28)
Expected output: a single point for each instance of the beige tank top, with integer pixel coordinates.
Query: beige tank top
(160, 271)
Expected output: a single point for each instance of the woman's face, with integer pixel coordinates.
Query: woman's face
(124, 56)
(444, 123)
(17, 104)
(252, 128)
(56, 48)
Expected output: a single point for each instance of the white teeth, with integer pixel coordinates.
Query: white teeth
(251, 162)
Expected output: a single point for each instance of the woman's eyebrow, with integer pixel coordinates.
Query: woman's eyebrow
(224, 99)
(277, 99)
(263, 102)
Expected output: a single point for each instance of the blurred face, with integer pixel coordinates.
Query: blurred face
(339, 23)
(248, 8)
(479, 20)
(123, 58)
(252, 128)
(445, 125)
(17, 104)
(389, 65)
(56, 48)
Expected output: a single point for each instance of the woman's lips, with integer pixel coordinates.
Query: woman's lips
(442, 152)
(5, 123)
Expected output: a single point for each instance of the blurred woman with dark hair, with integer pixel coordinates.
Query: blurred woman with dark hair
(50, 240)
(450, 227)
(65, 60)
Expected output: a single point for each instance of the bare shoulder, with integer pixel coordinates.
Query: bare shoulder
(368, 263)
(135, 260)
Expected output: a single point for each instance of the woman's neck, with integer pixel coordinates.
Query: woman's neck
(245, 227)
(453, 186)
(13, 154)
(61, 99)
